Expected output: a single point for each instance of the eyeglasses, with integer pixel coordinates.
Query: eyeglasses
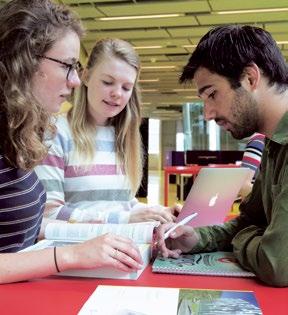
(75, 66)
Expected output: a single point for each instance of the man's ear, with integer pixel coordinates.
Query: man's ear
(251, 76)
(84, 76)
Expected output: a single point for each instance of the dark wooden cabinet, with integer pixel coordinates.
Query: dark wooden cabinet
(205, 157)
(144, 130)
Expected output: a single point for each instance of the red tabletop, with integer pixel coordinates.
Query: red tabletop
(63, 295)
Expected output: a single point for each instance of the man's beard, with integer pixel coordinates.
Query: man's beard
(245, 113)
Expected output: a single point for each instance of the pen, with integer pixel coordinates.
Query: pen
(182, 222)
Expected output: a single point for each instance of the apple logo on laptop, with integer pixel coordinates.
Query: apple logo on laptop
(213, 200)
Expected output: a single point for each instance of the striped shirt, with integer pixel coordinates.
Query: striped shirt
(22, 200)
(76, 191)
(253, 153)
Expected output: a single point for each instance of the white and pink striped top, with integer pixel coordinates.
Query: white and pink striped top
(77, 191)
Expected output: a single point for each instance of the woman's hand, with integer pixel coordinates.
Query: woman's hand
(175, 210)
(181, 240)
(153, 213)
(107, 250)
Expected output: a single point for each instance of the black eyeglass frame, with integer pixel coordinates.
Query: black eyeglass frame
(71, 66)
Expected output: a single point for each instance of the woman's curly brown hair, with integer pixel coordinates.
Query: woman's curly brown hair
(28, 28)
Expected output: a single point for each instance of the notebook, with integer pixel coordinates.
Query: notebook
(212, 264)
(212, 194)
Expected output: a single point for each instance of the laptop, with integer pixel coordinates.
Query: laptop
(212, 195)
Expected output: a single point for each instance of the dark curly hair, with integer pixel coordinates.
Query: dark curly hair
(227, 50)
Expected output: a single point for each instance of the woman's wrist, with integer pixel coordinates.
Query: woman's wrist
(66, 258)
(55, 259)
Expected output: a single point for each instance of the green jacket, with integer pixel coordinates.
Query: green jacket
(259, 236)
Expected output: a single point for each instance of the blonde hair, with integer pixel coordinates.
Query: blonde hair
(28, 28)
(128, 144)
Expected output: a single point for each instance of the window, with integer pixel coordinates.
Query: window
(154, 136)
(180, 141)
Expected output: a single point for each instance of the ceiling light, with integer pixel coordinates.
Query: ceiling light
(251, 11)
(149, 90)
(192, 97)
(184, 90)
(158, 67)
(169, 103)
(189, 46)
(147, 47)
(135, 17)
(148, 80)
(282, 42)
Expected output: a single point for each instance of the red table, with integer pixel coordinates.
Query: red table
(59, 295)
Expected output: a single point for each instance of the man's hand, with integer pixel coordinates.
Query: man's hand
(181, 240)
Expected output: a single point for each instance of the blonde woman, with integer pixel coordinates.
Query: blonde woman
(94, 166)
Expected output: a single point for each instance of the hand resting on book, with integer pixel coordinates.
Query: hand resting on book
(107, 250)
(181, 240)
(141, 213)
(154, 213)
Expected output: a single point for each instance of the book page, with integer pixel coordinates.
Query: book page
(138, 232)
(131, 301)
(47, 244)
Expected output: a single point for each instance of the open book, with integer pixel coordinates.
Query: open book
(168, 301)
(61, 234)
(212, 264)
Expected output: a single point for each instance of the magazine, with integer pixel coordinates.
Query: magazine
(169, 301)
